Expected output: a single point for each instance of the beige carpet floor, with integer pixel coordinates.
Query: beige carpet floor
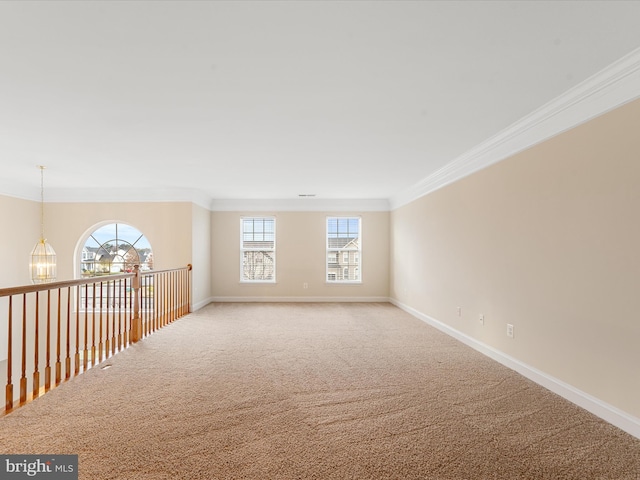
(314, 391)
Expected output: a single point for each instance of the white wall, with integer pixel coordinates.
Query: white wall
(201, 256)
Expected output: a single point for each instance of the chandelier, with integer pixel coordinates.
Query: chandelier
(43, 256)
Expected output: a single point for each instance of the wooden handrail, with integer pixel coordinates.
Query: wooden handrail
(42, 287)
(111, 313)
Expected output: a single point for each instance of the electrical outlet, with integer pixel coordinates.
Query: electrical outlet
(509, 330)
(459, 311)
(305, 285)
(481, 319)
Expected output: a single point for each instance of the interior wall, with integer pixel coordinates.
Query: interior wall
(300, 258)
(201, 256)
(547, 241)
(20, 227)
(167, 226)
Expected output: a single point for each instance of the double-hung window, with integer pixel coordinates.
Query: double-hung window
(344, 249)
(258, 249)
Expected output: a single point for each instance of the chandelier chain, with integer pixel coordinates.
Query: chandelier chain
(42, 167)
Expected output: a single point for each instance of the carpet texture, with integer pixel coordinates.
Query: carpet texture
(314, 391)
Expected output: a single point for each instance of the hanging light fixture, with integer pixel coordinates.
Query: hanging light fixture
(43, 256)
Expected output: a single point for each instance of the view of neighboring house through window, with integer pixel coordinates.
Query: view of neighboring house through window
(115, 248)
(258, 249)
(109, 250)
(344, 244)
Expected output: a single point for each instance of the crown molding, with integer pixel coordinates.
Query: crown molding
(299, 205)
(128, 195)
(612, 87)
(151, 195)
(8, 189)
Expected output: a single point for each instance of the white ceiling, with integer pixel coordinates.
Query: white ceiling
(269, 100)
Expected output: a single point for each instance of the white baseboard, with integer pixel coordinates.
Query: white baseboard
(197, 306)
(608, 413)
(300, 299)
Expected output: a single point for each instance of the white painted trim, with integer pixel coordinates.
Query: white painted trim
(125, 195)
(133, 195)
(300, 205)
(608, 413)
(197, 306)
(315, 299)
(8, 189)
(610, 88)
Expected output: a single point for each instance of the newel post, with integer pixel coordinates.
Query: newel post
(136, 321)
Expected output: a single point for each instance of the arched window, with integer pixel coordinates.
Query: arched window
(115, 248)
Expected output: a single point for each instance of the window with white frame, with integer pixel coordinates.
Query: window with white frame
(344, 247)
(258, 249)
(115, 248)
(112, 249)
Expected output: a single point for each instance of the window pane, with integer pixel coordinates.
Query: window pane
(257, 247)
(343, 249)
(115, 248)
(258, 266)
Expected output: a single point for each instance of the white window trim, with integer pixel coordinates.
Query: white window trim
(80, 260)
(242, 250)
(358, 252)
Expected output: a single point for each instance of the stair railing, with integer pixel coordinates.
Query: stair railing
(84, 322)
